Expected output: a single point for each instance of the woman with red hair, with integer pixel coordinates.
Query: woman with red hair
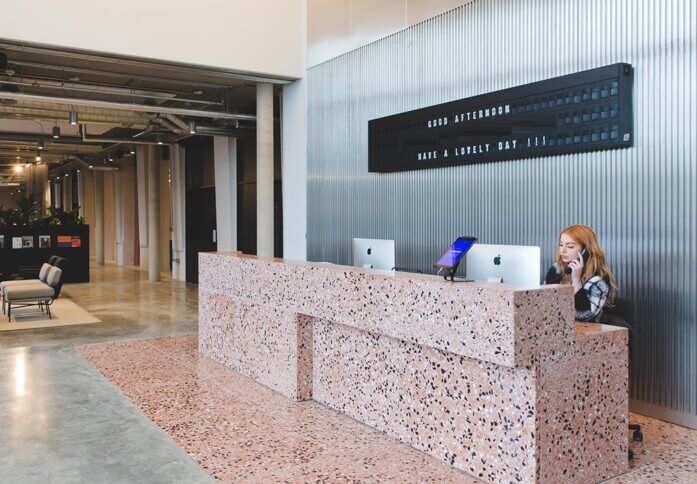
(581, 264)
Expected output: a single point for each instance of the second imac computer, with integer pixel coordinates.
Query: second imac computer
(512, 264)
(373, 254)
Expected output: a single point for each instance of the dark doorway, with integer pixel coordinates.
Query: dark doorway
(247, 193)
(200, 203)
(200, 227)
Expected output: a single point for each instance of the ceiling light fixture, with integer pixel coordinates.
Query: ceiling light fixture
(18, 168)
(158, 138)
(72, 117)
(38, 156)
(56, 132)
(192, 127)
(133, 149)
(41, 143)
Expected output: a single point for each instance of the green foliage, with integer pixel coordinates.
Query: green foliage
(9, 216)
(27, 210)
(27, 214)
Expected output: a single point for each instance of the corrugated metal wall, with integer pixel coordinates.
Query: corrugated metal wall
(641, 200)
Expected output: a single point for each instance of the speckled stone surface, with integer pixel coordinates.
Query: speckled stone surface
(491, 379)
(582, 403)
(240, 431)
(476, 416)
(496, 323)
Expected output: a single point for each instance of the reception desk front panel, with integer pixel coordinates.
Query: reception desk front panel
(491, 379)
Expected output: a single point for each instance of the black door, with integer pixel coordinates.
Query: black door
(200, 228)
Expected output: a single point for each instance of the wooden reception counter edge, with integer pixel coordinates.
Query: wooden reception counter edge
(495, 380)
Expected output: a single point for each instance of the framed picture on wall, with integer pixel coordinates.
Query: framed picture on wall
(64, 241)
(16, 242)
(2, 241)
(44, 241)
(27, 241)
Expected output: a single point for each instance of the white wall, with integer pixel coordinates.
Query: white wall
(336, 27)
(260, 36)
(294, 169)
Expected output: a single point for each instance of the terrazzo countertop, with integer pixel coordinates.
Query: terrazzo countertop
(497, 323)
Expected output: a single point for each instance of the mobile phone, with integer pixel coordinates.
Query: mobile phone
(452, 257)
(584, 254)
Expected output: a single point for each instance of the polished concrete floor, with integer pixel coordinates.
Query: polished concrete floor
(128, 304)
(60, 420)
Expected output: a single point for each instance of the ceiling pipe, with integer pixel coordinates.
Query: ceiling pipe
(114, 140)
(93, 167)
(147, 130)
(32, 153)
(124, 106)
(126, 75)
(217, 131)
(31, 138)
(98, 89)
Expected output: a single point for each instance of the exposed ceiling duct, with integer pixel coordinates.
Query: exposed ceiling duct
(100, 89)
(90, 115)
(181, 124)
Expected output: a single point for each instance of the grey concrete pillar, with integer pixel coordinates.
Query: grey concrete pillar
(40, 188)
(153, 164)
(57, 202)
(99, 217)
(118, 212)
(67, 193)
(177, 159)
(142, 207)
(265, 236)
(225, 159)
(81, 192)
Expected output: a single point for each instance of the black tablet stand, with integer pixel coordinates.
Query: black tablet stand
(450, 271)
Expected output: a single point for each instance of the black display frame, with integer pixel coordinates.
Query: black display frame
(78, 268)
(402, 142)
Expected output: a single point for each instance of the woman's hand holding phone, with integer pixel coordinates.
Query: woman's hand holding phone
(576, 266)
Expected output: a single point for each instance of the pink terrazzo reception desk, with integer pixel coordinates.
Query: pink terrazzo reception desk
(495, 380)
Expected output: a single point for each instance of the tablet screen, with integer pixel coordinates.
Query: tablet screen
(456, 251)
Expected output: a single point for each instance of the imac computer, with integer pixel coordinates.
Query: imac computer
(373, 254)
(512, 264)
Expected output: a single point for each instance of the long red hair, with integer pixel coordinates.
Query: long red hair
(584, 236)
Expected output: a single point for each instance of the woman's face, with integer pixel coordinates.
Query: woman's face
(568, 248)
